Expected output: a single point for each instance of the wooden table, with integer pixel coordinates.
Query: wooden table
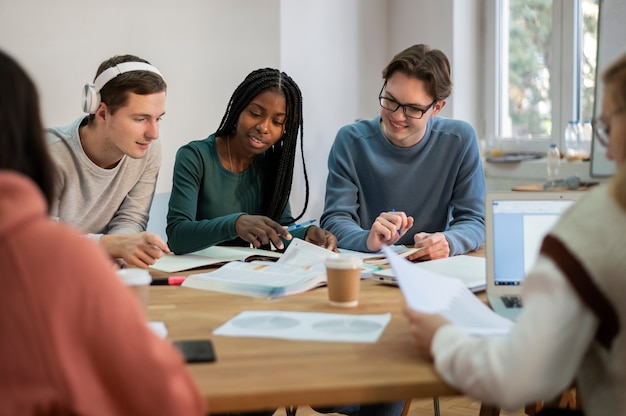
(256, 374)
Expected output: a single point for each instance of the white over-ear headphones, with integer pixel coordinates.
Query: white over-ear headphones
(91, 92)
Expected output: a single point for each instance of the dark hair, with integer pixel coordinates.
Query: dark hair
(426, 64)
(115, 92)
(281, 156)
(24, 148)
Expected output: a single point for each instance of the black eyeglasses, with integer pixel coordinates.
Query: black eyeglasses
(409, 110)
(601, 129)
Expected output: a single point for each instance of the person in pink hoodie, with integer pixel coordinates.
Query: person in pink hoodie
(73, 338)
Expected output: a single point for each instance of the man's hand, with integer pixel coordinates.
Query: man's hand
(140, 250)
(387, 229)
(432, 246)
(260, 230)
(321, 237)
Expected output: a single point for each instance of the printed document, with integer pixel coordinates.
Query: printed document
(430, 292)
(310, 326)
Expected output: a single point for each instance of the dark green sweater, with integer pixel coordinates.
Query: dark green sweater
(207, 199)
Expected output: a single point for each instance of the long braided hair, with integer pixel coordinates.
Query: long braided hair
(281, 156)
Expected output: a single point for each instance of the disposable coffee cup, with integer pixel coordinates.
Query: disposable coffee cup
(138, 280)
(343, 275)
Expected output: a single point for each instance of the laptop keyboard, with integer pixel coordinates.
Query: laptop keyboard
(512, 301)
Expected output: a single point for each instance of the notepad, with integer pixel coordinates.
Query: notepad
(210, 256)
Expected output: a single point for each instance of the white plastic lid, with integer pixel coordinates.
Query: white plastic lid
(344, 262)
(134, 276)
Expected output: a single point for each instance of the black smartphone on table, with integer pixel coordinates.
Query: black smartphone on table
(196, 350)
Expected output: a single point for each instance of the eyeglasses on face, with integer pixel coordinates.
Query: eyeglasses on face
(602, 130)
(410, 111)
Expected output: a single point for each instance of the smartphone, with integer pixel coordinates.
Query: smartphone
(196, 350)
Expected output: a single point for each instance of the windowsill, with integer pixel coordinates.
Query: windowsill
(535, 169)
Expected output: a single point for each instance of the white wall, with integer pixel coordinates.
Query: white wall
(335, 51)
(453, 26)
(204, 48)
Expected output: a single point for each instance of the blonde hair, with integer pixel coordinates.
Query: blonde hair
(614, 79)
(618, 186)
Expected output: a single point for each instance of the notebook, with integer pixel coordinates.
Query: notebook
(469, 269)
(515, 224)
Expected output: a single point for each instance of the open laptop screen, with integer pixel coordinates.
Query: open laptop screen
(519, 226)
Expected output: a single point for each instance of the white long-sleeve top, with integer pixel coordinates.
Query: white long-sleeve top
(537, 360)
(572, 326)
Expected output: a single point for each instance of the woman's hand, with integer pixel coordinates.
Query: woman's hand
(320, 237)
(260, 230)
(423, 327)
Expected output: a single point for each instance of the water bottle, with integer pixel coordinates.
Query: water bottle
(553, 160)
(573, 141)
(587, 135)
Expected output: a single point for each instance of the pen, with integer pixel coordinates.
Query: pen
(399, 229)
(172, 281)
(301, 225)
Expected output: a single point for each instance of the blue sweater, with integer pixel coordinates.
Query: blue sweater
(439, 181)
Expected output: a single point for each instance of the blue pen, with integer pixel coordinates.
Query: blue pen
(301, 225)
(399, 229)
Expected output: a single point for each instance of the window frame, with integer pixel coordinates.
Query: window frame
(566, 43)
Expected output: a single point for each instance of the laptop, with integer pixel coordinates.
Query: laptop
(515, 224)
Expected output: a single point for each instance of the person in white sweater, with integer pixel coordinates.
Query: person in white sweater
(572, 327)
(109, 160)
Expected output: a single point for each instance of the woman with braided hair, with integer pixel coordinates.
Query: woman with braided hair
(233, 187)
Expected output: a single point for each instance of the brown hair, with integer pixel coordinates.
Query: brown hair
(115, 92)
(614, 79)
(426, 64)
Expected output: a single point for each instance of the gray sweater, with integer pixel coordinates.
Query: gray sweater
(97, 200)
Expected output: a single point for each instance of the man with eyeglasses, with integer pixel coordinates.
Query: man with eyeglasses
(408, 176)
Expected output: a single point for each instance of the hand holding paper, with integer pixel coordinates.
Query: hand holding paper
(429, 292)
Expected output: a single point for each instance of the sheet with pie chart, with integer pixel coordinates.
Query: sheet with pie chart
(309, 326)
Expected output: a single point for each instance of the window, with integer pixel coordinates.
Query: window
(544, 67)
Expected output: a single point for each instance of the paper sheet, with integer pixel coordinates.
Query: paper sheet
(430, 292)
(471, 270)
(309, 326)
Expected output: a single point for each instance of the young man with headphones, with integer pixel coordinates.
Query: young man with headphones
(108, 161)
